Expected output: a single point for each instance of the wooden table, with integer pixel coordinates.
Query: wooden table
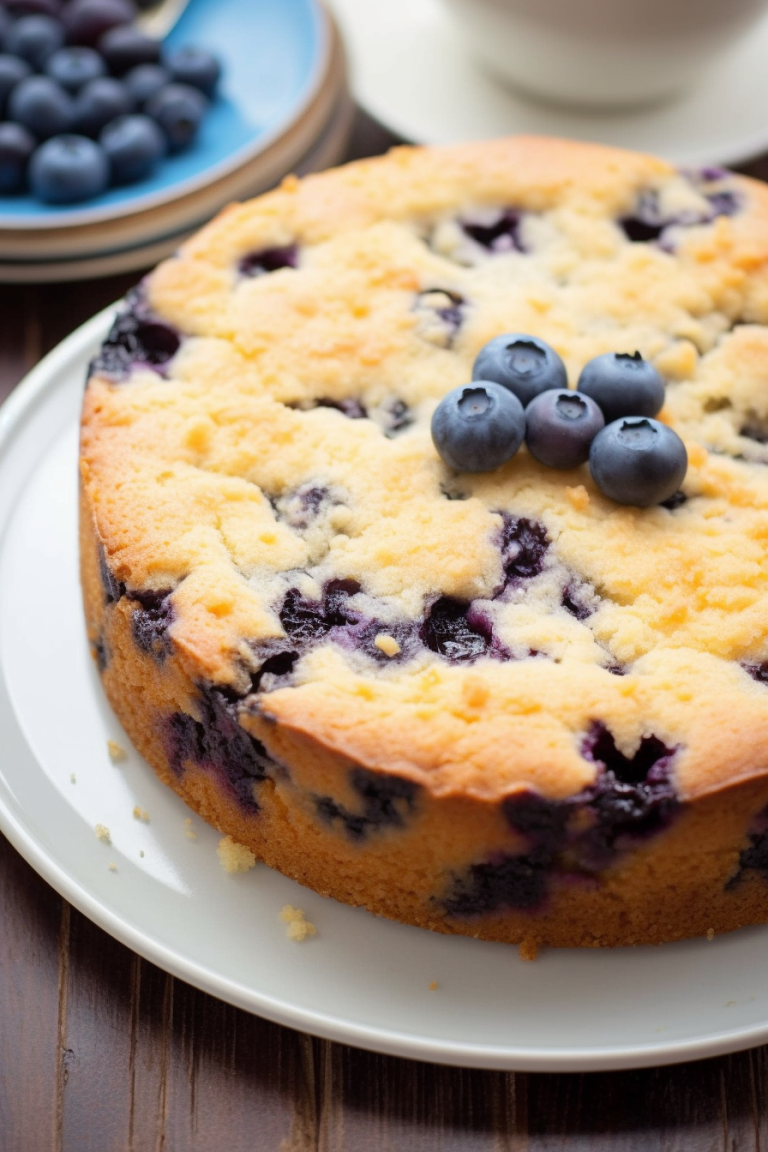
(102, 1052)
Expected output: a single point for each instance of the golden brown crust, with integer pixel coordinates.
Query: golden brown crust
(188, 482)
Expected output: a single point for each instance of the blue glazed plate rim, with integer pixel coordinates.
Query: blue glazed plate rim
(83, 217)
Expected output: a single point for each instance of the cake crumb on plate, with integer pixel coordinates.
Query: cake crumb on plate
(112, 866)
(189, 831)
(72, 778)
(102, 833)
(434, 986)
(116, 751)
(298, 927)
(234, 857)
(141, 814)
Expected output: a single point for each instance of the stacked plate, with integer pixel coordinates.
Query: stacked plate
(283, 107)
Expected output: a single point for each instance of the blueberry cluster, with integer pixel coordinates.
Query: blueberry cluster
(519, 391)
(88, 100)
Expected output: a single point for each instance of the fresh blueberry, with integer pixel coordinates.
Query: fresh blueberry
(74, 67)
(12, 72)
(623, 385)
(560, 426)
(34, 39)
(86, 21)
(67, 169)
(179, 110)
(478, 427)
(194, 66)
(16, 147)
(98, 102)
(126, 47)
(638, 461)
(133, 144)
(523, 364)
(145, 81)
(42, 106)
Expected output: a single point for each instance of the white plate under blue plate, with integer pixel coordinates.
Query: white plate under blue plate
(361, 980)
(410, 68)
(275, 56)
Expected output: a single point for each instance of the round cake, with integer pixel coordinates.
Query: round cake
(496, 703)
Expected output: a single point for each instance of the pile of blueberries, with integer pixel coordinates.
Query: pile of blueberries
(88, 101)
(519, 391)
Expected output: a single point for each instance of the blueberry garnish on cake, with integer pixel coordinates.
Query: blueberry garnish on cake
(560, 426)
(638, 461)
(478, 427)
(524, 364)
(633, 459)
(622, 384)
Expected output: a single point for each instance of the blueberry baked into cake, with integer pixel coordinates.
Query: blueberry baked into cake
(382, 603)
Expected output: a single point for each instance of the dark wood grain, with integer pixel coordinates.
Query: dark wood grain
(101, 1051)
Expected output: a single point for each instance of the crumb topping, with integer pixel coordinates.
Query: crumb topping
(297, 926)
(279, 485)
(234, 857)
(116, 751)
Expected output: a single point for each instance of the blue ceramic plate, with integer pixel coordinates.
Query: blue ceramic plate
(275, 55)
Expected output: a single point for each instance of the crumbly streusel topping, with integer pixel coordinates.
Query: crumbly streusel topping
(270, 494)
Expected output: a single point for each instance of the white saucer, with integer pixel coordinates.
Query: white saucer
(361, 980)
(410, 69)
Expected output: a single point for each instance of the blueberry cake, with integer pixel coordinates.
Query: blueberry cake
(497, 703)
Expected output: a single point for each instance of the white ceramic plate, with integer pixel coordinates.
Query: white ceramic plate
(411, 70)
(361, 980)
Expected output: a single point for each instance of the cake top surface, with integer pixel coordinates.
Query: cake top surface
(256, 447)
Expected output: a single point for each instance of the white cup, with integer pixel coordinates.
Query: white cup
(609, 53)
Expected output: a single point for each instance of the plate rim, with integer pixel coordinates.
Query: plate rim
(79, 217)
(20, 405)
